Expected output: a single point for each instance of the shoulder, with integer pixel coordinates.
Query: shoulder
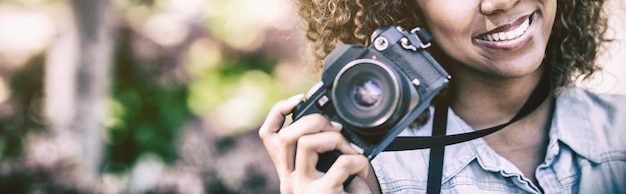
(604, 111)
(609, 102)
(592, 124)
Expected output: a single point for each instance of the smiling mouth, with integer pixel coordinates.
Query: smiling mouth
(511, 34)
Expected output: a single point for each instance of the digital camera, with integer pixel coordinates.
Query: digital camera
(375, 92)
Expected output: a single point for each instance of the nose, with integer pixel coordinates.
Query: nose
(489, 7)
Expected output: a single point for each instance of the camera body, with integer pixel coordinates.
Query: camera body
(375, 92)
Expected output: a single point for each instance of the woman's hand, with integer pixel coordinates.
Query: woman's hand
(294, 150)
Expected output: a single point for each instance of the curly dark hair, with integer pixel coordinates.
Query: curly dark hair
(577, 34)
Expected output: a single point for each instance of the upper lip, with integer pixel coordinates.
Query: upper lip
(508, 25)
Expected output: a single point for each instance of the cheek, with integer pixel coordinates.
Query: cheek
(549, 15)
(448, 20)
(453, 18)
(449, 25)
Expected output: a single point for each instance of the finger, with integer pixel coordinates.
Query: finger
(358, 185)
(289, 136)
(276, 116)
(309, 124)
(310, 146)
(272, 124)
(344, 166)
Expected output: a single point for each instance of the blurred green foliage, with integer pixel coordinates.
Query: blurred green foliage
(231, 82)
(228, 88)
(233, 90)
(147, 113)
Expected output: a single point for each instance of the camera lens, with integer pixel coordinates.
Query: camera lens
(367, 93)
(370, 97)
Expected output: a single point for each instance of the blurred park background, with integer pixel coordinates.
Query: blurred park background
(159, 96)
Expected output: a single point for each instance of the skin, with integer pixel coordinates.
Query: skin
(313, 134)
(492, 81)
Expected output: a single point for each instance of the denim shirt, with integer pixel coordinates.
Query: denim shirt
(586, 153)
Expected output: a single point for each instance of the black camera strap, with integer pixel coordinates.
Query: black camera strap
(435, 164)
(439, 139)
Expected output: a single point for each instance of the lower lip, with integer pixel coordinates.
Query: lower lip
(510, 44)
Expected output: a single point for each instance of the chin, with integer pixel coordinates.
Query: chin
(517, 71)
(519, 67)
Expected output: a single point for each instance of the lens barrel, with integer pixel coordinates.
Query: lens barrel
(370, 97)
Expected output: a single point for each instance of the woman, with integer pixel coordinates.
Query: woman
(497, 52)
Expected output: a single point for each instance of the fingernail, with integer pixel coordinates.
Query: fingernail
(357, 148)
(296, 98)
(336, 125)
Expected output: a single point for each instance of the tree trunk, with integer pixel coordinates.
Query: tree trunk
(95, 43)
(78, 79)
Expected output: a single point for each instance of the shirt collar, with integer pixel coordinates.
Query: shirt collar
(577, 111)
(458, 156)
(571, 125)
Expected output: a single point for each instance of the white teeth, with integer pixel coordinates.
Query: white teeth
(519, 31)
(510, 35)
(502, 35)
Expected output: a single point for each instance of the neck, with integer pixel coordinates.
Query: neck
(484, 102)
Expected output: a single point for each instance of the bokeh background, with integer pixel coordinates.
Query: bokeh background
(160, 96)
